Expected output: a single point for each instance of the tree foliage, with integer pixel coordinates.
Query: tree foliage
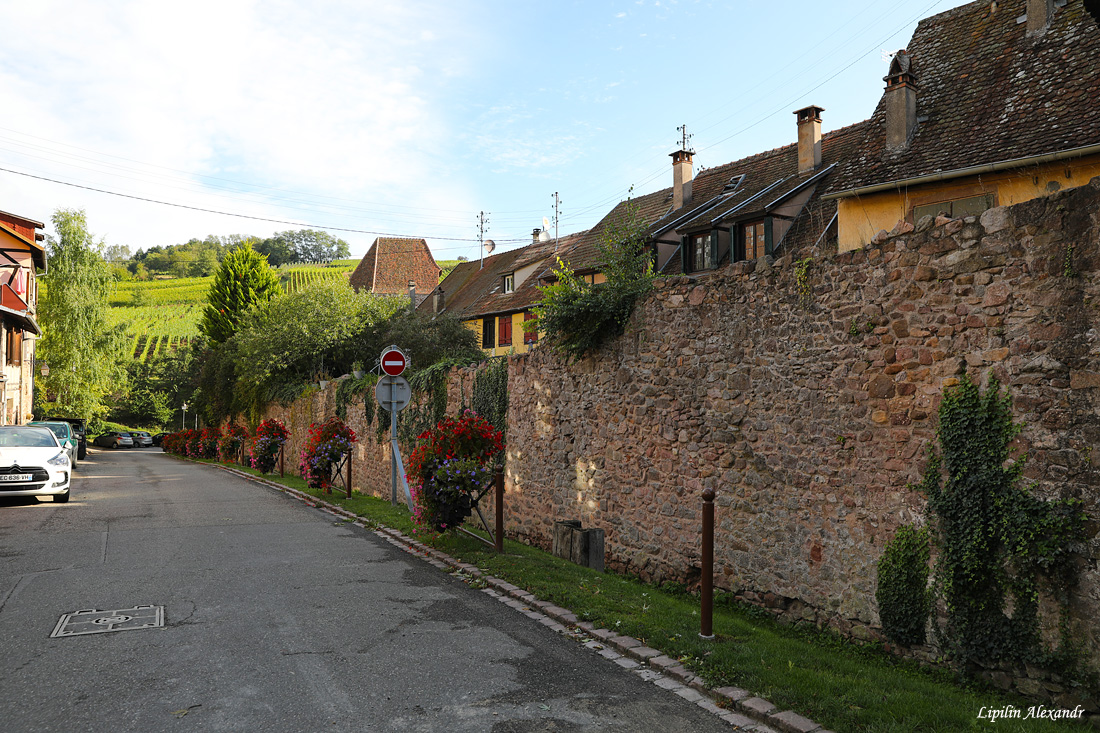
(303, 245)
(578, 317)
(76, 343)
(243, 280)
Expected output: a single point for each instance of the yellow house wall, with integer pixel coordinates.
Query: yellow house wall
(860, 218)
(517, 347)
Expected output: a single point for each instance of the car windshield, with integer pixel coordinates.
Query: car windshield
(60, 429)
(26, 437)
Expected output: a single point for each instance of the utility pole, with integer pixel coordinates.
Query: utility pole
(482, 227)
(557, 215)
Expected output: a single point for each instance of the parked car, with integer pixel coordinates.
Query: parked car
(33, 463)
(80, 429)
(114, 439)
(158, 439)
(63, 431)
(141, 438)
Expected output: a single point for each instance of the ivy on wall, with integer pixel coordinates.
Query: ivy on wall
(490, 396)
(999, 546)
(903, 596)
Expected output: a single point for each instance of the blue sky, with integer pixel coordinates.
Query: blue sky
(408, 118)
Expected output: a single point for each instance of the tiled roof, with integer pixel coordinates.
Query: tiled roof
(391, 263)
(988, 93)
(581, 252)
(472, 290)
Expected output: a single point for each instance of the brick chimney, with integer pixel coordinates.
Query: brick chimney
(1039, 15)
(535, 235)
(439, 301)
(681, 178)
(901, 102)
(809, 138)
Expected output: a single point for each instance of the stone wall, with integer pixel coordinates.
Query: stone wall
(808, 405)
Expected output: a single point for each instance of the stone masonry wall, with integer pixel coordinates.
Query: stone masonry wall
(809, 408)
(806, 405)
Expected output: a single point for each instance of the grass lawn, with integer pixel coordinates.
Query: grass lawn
(817, 674)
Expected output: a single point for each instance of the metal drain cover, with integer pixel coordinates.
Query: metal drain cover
(90, 621)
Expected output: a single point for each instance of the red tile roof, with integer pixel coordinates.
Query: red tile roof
(391, 263)
(988, 92)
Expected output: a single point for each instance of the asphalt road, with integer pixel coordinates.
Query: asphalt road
(276, 618)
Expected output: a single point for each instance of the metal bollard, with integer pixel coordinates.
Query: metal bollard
(281, 471)
(706, 589)
(498, 500)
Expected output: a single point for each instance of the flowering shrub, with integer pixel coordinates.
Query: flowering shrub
(270, 436)
(231, 441)
(450, 465)
(193, 448)
(327, 443)
(176, 442)
(208, 442)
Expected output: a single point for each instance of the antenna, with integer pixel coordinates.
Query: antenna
(685, 138)
(482, 227)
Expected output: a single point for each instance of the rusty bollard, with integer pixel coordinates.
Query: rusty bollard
(498, 501)
(706, 589)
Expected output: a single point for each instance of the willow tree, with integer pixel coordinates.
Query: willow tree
(244, 279)
(82, 352)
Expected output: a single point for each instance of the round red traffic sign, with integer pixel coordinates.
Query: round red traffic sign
(393, 362)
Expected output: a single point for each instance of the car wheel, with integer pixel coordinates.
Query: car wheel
(61, 498)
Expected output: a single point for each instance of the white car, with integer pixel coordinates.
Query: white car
(33, 463)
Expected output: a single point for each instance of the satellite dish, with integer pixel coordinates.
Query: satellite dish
(544, 236)
(545, 223)
(490, 245)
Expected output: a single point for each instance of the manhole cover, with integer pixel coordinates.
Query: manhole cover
(100, 622)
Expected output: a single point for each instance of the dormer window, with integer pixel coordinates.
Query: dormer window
(510, 282)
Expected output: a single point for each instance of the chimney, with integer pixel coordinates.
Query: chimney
(681, 178)
(535, 235)
(809, 138)
(901, 102)
(439, 301)
(1039, 14)
(412, 295)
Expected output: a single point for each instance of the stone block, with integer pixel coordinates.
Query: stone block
(1079, 379)
(996, 219)
(792, 722)
(757, 705)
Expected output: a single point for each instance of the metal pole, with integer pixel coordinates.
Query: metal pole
(349, 475)
(706, 591)
(393, 442)
(498, 500)
(282, 472)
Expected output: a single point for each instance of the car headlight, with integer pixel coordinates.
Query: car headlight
(61, 459)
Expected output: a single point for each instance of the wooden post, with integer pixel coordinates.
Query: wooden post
(706, 590)
(498, 481)
(349, 476)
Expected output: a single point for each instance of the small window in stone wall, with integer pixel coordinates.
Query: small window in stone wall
(971, 206)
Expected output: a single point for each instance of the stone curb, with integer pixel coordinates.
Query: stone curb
(737, 707)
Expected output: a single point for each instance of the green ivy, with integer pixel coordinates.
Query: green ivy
(490, 397)
(903, 595)
(999, 545)
(802, 281)
(350, 389)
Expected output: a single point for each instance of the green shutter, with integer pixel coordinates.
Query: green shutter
(767, 235)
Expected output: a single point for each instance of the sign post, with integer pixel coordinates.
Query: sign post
(393, 392)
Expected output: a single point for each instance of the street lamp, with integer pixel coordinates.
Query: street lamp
(45, 369)
(183, 419)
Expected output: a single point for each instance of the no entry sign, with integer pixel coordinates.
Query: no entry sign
(393, 361)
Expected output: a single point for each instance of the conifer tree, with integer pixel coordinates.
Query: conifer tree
(245, 278)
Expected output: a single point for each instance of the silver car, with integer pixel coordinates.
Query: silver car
(142, 439)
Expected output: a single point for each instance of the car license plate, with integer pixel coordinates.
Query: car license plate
(15, 477)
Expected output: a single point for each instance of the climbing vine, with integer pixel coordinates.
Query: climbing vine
(903, 595)
(999, 545)
(802, 281)
(490, 397)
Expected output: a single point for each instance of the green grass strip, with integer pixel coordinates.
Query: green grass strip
(843, 686)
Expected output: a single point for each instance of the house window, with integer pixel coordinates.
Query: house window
(702, 253)
(753, 238)
(15, 347)
(530, 337)
(510, 282)
(487, 333)
(504, 331)
(956, 209)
